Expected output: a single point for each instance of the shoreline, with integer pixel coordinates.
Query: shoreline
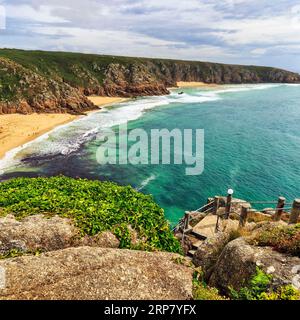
(194, 84)
(105, 101)
(17, 130)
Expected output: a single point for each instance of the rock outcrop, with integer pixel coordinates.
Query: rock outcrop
(24, 91)
(36, 81)
(238, 262)
(207, 254)
(86, 273)
(38, 233)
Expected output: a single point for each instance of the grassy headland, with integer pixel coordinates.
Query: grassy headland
(58, 82)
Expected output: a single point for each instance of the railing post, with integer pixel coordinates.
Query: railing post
(228, 203)
(186, 223)
(279, 208)
(187, 217)
(295, 212)
(244, 215)
(216, 204)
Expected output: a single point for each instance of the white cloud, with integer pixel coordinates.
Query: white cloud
(226, 31)
(2, 17)
(264, 30)
(124, 43)
(40, 14)
(258, 51)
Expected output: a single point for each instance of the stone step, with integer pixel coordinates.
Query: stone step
(198, 235)
(188, 231)
(189, 258)
(197, 244)
(191, 253)
(206, 227)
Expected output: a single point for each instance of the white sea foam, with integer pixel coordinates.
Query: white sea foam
(247, 87)
(146, 182)
(194, 98)
(292, 84)
(10, 160)
(68, 138)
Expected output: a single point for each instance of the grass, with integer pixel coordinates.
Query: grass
(94, 206)
(285, 239)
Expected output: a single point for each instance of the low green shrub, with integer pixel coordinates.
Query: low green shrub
(94, 206)
(283, 239)
(287, 292)
(259, 288)
(201, 291)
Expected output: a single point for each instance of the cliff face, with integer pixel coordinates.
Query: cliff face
(27, 92)
(36, 81)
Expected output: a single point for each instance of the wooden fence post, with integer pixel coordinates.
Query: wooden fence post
(216, 205)
(228, 203)
(280, 206)
(244, 214)
(295, 212)
(187, 216)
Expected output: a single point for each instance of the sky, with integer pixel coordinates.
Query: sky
(260, 32)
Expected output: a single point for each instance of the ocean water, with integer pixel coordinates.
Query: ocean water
(252, 144)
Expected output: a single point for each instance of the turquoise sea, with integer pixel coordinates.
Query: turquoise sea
(252, 144)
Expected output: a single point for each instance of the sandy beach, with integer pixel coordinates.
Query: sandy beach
(102, 101)
(18, 129)
(183, 84)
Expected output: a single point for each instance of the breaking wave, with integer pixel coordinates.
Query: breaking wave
(146, 182)
(69, 138)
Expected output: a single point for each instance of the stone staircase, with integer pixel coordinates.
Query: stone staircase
(203, 230)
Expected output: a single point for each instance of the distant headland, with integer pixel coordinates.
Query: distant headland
(59, 82)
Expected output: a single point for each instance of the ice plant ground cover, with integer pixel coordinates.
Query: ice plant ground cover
(95, 207)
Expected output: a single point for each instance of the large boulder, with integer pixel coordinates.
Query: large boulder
(96, 273)
(209, 251)
(239, 260)
(46, 234)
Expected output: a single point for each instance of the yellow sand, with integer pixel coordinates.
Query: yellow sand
(100, 101)
(183, 84)
(17, 129)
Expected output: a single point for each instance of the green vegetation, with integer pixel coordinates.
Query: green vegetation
(284, 239)
(76, 69)
(13, 253)
(201, 291)
(94, 206)
(259, 288)
(8, 83)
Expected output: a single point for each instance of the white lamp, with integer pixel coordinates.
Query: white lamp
(230, 192)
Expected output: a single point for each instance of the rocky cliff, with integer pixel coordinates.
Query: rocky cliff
(36, 81)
